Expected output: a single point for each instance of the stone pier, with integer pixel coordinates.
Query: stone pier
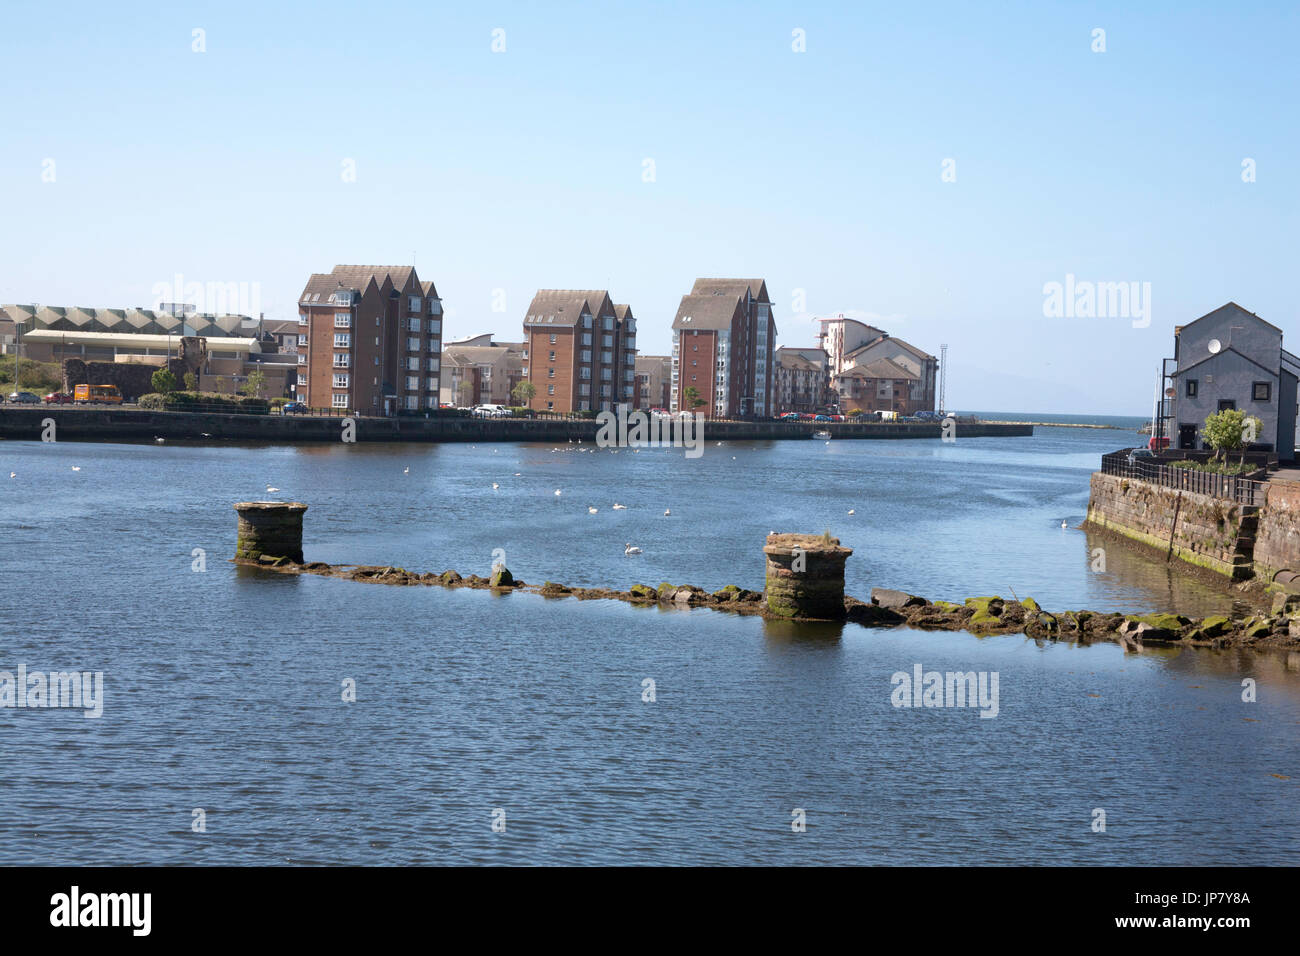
(805, 576)
(269, 531)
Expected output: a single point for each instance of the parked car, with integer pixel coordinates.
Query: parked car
(293, 408)
(491, 411)
(57, 398)
(821, 418)
(1141, 454)
(24, 398)
(789, 417)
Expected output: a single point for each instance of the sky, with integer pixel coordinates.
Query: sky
(930, 167)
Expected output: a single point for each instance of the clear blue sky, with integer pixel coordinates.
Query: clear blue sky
(819, 171)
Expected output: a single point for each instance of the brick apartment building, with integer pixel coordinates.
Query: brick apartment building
(478, 371)
(801, 380)
(724, 335)
(370, 340)
(852, 345)
(580, 350)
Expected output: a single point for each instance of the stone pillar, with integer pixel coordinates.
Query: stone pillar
(269, 531)
(805, 576)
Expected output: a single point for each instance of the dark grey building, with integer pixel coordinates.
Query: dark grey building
(1230, 358)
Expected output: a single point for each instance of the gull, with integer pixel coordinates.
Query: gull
(158, 440)
(406, 470)
(269, 488)
(517, 474)
(619, 507)
(667, 512)
(557, 491)
(628, 548)
(495, 486)
(13, 474)
(76, 468)
(1063, 524)
(591, 511)
(852, 511)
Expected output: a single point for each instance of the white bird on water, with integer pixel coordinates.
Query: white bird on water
(852, 511)
(629, 548)
(269, 488)
(159, 440)
(495, 486)
(76, 468)
(619, 507)
(1063, 524)
(406, 470)
(591, 511)
(13, 474)
(667, 512)
(557, 491)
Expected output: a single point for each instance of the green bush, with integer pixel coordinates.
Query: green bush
(39, 377)
(1215, 467)
(163, 381)
(210, 401)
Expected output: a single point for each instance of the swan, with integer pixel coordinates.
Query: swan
(619, 507)
(495, 486)
(591, 511)
(76, 468)
(852, 511)
(1063, 524)
(629, 548)
(269, 488)
(667, 512)
(406, 470)
(557, 491)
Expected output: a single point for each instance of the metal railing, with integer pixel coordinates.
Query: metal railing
(1245, 491)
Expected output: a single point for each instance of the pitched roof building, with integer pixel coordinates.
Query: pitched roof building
(723, 336)
(370, 340)
(581, 350)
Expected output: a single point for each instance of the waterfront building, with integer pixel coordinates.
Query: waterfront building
(851, 344)
(654, 374)
(581, 350)
(801, 380)
(479, 371)
(1229, 358)
(879, 386)
(370, 340)
(723, 336)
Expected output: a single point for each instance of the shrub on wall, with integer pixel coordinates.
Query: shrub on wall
(204, 401)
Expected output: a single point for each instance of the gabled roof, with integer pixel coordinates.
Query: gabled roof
(1214, 355)
(566, 306)
(125, 321)
(623, 312)
(708, 311)
(755, 287)
(428, 289)
(1178, 330)
(880, 368)
(907, 346)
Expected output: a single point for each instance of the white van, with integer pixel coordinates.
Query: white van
(491, 411)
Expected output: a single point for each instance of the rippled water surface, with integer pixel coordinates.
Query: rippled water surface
(223, 687)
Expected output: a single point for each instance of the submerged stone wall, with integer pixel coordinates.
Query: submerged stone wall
(270, 532)
(1206, 531)
(805, 576)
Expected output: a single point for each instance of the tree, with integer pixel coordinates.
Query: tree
(253, 385)
(1230, 430)
(191, 381)
(693, 397)
(465, 391)
(524, 393)
(163, 381)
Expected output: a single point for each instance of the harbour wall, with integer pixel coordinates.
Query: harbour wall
(81, 423)
(1214, 533)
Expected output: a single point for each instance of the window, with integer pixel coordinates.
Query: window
(431, 384)
(552, 357)
(342, 340)
(586, 338)
(607, 357)
(412, 383)
(550, 373)
(435, 307)
(552, 338)
(550, 406)
(302, 318)
(586, 355)
(550, 390)
(586, 321)
(302, 340)
(414, 304)
(1227, 404)
(302, 379)
(342, 320)
(609, 323)
(342, 359)
(584, 389)
(302, 359)
(339, 401)
(432, 365)
(1191, 388)
(435, 326)
(413, 325)
(1261, 391)
(607, 341)
(413, 363)
(340, 381)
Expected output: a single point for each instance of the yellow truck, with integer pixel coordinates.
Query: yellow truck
(96, 395)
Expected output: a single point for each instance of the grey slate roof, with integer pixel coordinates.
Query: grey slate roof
(565, 306)
(738, 287)
(707, 311)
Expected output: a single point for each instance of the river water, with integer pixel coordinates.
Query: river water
(223, 687)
